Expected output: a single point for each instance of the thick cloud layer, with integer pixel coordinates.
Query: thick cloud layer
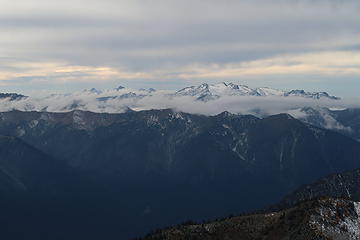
(63, 45)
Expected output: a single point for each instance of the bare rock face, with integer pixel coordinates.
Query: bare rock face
(325, 219)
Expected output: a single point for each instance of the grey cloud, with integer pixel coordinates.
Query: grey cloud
(153, 35)
(57, 21)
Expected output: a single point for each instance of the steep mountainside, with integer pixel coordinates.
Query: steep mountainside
(42, 198)
(172, 142)
(324, 219)
(350, 118)
(35, 190)
(24, 169)
(345, 184)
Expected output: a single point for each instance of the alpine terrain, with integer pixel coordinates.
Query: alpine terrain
(126, 174)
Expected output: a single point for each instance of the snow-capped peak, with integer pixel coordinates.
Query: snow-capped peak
(206, 92)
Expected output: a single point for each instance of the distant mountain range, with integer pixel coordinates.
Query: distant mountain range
(207, 92)
(137, 171)
(120, 99)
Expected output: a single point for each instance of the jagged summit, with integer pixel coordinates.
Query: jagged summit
(206, 92)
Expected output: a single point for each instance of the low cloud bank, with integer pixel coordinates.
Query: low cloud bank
(314, 111)
(111, 103)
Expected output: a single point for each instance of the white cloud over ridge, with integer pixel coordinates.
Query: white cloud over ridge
(117, 101)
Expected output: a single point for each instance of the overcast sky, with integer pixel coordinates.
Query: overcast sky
(62, 46)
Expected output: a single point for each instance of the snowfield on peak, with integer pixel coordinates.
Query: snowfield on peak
(206, 92)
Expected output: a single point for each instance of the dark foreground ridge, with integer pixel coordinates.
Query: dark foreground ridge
(322, 219)
(321, 210)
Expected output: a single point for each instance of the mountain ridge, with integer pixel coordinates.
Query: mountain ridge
(160, 167)
(207, 92)
(121, 98)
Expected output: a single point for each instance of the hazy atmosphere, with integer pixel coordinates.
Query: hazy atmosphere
(179, 119)
(58, 47)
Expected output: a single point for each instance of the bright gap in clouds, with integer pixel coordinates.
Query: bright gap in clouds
(339, 64)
